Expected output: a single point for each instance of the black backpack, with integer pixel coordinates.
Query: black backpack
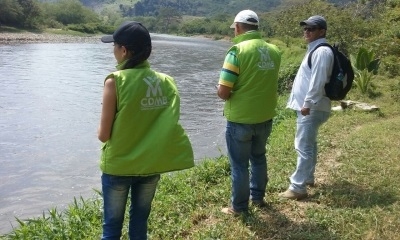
(342, 74)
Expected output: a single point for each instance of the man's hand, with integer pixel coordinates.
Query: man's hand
(224, 92)
(305, 111)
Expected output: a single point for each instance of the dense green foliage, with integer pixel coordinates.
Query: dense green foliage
(68, 14)
(20, 13)
(200, 8)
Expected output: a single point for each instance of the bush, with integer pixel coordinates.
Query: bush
(105, 28)
(91, 28)
(286, 77)
(70, 12)
(51, 23)
(390, 66)
(194, 27)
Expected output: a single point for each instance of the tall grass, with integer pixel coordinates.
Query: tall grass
(81, 220)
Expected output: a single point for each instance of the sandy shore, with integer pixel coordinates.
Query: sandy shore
(28, 37)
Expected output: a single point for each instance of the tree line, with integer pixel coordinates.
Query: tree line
(196, 8)
(35, 15)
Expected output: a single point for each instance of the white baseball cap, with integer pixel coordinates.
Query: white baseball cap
(246, 16)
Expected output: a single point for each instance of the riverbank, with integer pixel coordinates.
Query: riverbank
(48, 37)
(30, 37)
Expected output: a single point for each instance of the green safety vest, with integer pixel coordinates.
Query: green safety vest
(255, 93)
(146, 137)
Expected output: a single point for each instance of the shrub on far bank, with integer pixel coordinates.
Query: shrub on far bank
(91, 28)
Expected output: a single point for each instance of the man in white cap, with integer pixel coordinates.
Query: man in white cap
(313, 108)
(248, 83)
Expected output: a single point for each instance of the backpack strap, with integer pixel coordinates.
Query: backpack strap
(319, 45)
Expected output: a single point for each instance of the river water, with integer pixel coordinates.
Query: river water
(50, 102)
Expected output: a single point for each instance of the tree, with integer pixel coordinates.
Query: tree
(32, 13)
(168, 16)
(72, 12)
(20, 13)
(10, 12)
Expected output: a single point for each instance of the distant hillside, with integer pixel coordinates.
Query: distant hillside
(189, 7)
(202, 7)
(196, 7)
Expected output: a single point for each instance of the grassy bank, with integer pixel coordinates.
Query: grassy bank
(356, 197)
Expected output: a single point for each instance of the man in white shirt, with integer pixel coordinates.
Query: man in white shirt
(313, 108)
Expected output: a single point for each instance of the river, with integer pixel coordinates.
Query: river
(50, 102)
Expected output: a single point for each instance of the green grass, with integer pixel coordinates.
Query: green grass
(7, 29)
(357, 194)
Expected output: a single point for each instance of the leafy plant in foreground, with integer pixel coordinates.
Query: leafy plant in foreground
(365, 66)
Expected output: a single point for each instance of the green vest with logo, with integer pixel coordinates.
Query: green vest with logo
(146, 137)
(255, 93)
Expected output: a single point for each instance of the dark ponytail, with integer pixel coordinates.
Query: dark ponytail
(139, 56)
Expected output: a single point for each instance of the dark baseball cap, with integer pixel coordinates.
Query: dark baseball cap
(132, 35)
(315, 21)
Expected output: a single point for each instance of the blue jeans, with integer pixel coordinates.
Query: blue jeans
(115, 196)
(247, 142)
(306, 147)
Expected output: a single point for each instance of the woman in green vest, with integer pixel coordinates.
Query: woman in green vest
(140, 131)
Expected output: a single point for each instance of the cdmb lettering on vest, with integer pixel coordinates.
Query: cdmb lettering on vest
(266, 62)
(154, 95)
